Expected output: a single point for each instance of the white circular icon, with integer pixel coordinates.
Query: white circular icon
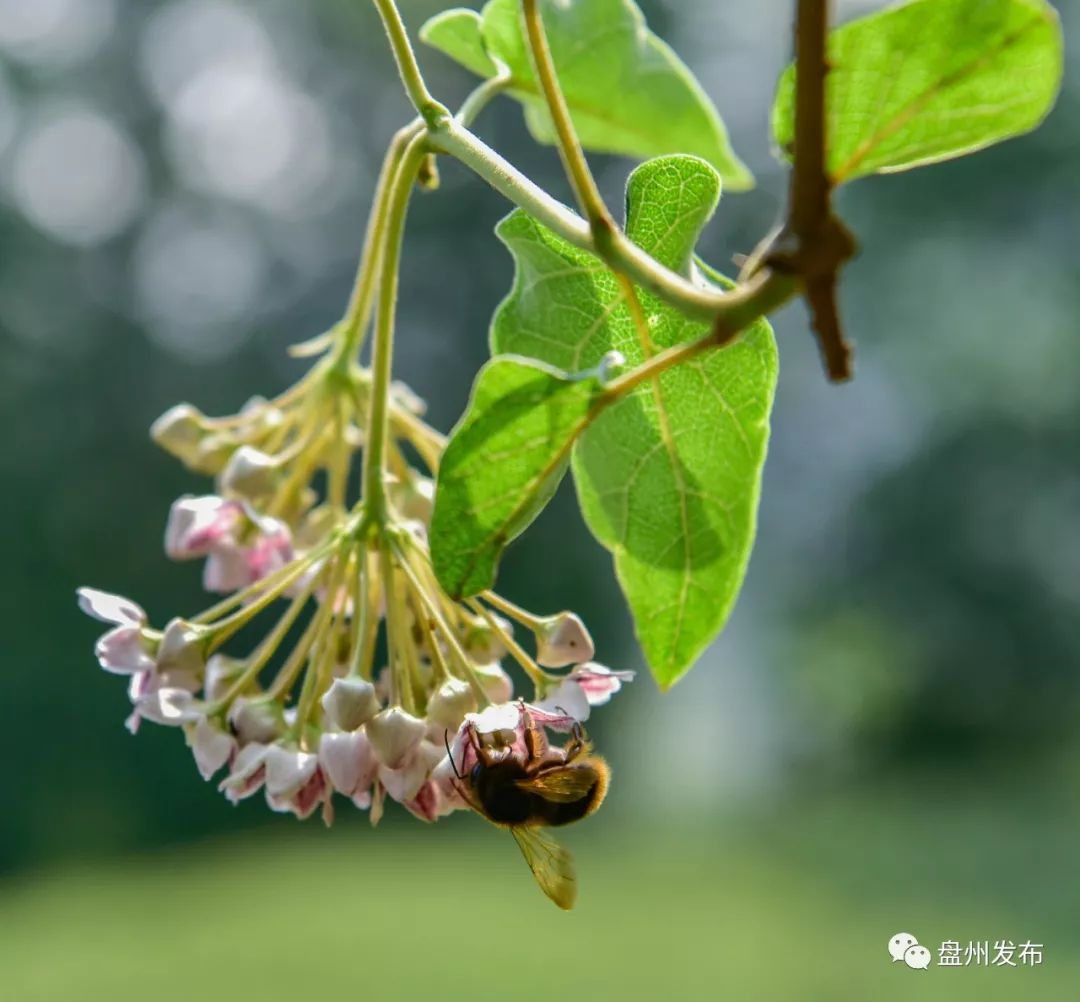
(899, 945)
(917, 957)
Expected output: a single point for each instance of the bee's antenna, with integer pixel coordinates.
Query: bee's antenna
(450, 754)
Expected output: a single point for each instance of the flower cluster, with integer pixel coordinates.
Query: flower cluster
(363, 667)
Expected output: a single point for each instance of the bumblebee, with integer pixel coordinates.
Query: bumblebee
(545, 788)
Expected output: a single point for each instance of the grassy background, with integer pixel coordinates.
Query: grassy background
(796, 903)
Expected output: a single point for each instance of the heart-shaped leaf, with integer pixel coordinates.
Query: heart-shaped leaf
(626, 89)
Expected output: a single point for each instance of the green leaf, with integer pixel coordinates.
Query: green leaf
(668, 477)
(627, 90)
(930, 80)
(503, 463)
(458, 33)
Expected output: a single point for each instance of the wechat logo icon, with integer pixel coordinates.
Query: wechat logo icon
(903, 946)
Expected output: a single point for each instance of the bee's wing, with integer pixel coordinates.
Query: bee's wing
(550, 862)
(563, 786)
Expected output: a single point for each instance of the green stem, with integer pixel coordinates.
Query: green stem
(428, 108)
(374, 475)
(363, 295)
(478, 100)
(573, 156)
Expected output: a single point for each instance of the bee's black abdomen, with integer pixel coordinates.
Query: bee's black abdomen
(502, 800)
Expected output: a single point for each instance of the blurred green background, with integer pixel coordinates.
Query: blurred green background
(884, 738)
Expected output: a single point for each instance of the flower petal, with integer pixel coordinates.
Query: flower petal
(211, 747)
(110, 608)
(121, 651)
(288, 769)
(171, 707)
(599, 683)
(348, 761)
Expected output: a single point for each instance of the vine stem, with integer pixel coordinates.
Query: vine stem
(426, 106)
(573, 156)
(374, 471)
(697, 301)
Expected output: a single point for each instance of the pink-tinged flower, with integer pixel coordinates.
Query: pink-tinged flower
(433, 802)
(240, 547)
(394, 736)
(349, 763)
(231, 566)
(599, 683)
(247, 774)
(122, 650)
(211, 746)
(562, 640)
(294, 781)
(404, 782)
(197, 525)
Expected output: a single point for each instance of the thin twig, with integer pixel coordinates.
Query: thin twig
(821, 241)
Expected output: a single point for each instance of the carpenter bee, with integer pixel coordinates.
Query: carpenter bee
(544, 788)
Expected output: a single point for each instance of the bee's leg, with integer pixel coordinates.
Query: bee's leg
(535, 744)
(578, 744)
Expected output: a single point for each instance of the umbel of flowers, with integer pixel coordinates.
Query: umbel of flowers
(364, 670)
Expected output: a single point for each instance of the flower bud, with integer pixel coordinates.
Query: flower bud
(349, 703)
(394, 735)
(179, 431)
(256, 720)
(562, 640)
(181, 648)
(449, 704)
(221, 672)
(497, 684)
(414, 497)
(249, 473)
(213, 453)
